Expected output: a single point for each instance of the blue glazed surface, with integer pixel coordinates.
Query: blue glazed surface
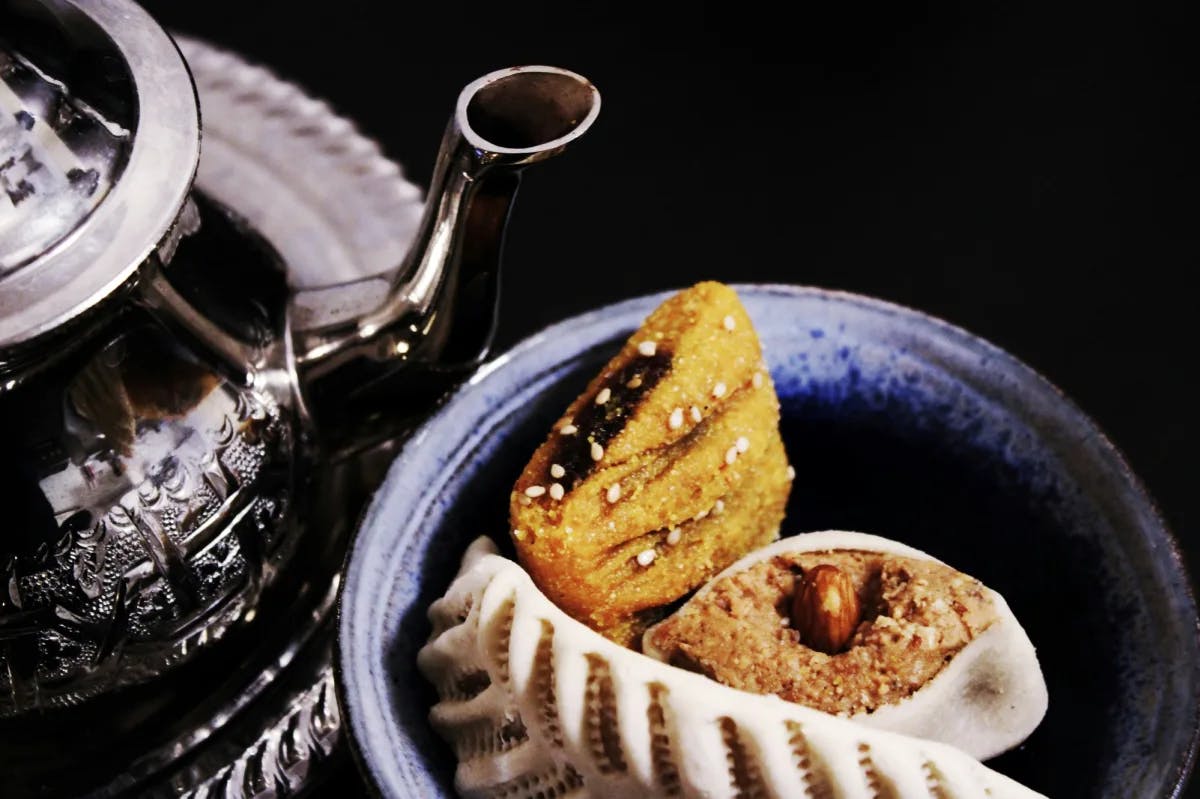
(897, 424)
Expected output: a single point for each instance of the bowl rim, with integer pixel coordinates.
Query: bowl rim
(346, 680)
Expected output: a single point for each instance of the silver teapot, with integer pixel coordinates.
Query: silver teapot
(183, 436)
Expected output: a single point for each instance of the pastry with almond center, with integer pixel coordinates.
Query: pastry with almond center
(537, 705)
(859, 626)
(841, 631)
(665, 470)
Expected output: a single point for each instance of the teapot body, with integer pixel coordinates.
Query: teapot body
(187, 434)
(149, 502)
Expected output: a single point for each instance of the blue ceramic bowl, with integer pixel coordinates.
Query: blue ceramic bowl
(897, 424)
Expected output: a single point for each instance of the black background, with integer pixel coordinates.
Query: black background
(1026, 173)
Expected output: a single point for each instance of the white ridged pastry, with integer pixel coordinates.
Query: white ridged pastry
(536, 704)
(987, 699)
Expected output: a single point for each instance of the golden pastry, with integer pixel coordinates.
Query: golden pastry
(664, 471)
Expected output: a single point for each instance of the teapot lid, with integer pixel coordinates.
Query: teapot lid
(99, 143)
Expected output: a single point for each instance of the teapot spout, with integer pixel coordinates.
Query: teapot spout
(438, 316)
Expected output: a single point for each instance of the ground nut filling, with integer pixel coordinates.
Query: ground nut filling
(916, 615)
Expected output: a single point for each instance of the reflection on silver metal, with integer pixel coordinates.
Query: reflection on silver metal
(105, 249)
(176, 501)
(165, 525)
(48, 185)
(229, 727)
(502, 123)
(284, 759)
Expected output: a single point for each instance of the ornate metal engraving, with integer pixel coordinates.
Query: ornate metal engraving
(284, 758)
(171, 555)
(164, 524)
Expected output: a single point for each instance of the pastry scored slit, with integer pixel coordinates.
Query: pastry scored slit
(666, 478)
(704, 543)
(683, 416)
(677, 359)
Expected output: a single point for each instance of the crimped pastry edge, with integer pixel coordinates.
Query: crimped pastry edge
(713, 740)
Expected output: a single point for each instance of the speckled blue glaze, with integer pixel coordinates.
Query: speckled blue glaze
(897, 424)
